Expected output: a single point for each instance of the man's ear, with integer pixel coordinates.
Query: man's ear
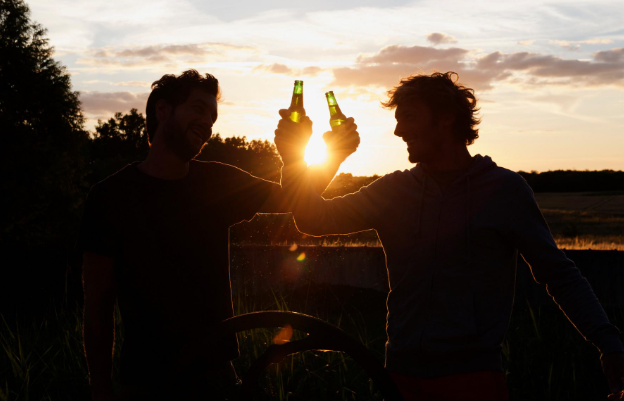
(446, 120)
(163, 110)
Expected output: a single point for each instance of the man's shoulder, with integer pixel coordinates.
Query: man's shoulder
(387, 183)
(508, 176)
(216, 168)
(117, 180)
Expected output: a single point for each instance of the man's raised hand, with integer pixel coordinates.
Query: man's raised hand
(343, 141)
(292, 138)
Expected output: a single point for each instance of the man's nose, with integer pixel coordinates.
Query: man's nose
(398, 131)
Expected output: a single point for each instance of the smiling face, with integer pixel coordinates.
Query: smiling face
(418, 128)
(189, 125)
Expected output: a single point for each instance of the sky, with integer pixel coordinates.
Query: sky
(548, 75)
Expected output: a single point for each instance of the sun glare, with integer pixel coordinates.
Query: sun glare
(316, 151)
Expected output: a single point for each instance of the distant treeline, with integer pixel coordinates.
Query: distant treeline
(548, 181)
(575, 181)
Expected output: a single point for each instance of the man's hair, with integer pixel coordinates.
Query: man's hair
(441, 92)
(175, 90)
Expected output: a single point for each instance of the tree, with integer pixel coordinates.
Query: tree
(117, 142)
(41, 156)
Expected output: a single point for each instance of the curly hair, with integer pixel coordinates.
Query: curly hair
(175, 90)
(441, 92)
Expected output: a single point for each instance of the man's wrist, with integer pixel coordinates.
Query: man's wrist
(338, 157)
(296, 161)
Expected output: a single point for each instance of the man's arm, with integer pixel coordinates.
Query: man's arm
(564, 282)
(99, 322)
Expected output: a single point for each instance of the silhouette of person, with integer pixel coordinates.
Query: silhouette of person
(155, 238)
(451, 228)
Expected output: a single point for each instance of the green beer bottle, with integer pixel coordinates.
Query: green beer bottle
(296, 104)
(335, 115)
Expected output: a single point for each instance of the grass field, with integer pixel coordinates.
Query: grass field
(585, 220)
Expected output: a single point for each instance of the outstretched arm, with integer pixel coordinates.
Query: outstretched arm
(564, 282)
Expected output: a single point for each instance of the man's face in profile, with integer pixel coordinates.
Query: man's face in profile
(418, 129)
(190, 124)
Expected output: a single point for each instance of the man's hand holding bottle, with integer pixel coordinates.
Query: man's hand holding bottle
(292, 138)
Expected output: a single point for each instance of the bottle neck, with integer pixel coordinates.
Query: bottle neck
(296, 103)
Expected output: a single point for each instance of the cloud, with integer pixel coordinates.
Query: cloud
(311, 71)
(481, 72)
(105, 104)
(576, 44)
(134, 83)
(565, 102)
(278, 68)
(526, 42)
(274, 68)
(439, 38)
(162, 54)
(610, 56)
(572, 46)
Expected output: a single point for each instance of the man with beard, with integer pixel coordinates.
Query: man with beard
(451, 228)
(155, 238)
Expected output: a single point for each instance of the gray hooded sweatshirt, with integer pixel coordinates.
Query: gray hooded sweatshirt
(451, 261)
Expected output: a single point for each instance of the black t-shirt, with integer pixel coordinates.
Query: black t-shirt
(169, 241)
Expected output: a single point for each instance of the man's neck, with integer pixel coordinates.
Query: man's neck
(162, 163)
(451, 158)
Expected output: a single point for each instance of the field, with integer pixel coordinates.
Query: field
(585, 220)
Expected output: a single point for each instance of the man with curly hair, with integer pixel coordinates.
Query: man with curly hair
(451, 228)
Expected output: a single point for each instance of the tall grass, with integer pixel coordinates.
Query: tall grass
(544, 357)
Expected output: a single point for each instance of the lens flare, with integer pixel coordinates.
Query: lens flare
(301, 257)
(284, 335)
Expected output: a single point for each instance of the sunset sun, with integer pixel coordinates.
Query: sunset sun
(316, 151)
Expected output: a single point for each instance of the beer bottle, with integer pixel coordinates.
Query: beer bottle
(296, 104)
(335, 115)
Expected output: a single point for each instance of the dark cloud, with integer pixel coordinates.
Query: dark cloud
(610, 56)
(392, 63)
(105, 104)
(438, 38)
(152, 51)
(159, 54)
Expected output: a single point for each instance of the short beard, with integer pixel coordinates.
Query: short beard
(177, 141)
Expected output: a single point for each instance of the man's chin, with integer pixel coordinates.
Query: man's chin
(413, 158)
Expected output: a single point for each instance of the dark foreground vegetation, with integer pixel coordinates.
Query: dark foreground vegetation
(545, 358)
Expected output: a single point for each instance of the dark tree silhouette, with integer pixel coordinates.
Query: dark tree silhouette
(116, 142)
(41, 156)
